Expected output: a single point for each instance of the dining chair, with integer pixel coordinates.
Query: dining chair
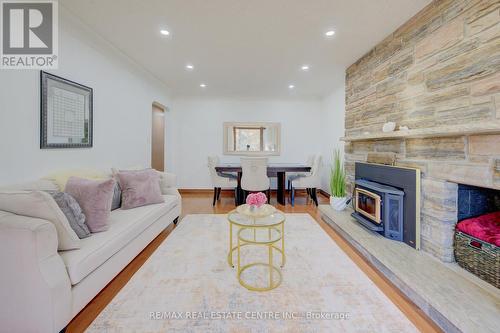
(219, 182)
(254, 176)
(294, 175)
(310, 183)
(216, 161)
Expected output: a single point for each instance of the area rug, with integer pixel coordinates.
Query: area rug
(188, 286)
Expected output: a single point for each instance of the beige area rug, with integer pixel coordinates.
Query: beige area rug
(188, 286)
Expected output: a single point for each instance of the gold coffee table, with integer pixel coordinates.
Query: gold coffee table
(263, 227)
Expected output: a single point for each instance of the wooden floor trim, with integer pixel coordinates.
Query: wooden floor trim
(230, 191)
(324, 193)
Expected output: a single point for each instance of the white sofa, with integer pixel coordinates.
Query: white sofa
(42, 289)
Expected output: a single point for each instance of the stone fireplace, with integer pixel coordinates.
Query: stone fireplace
(438, 74)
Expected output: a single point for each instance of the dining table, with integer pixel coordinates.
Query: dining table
(278, 170)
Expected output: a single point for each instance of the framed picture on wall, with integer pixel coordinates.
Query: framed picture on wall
(65, 113)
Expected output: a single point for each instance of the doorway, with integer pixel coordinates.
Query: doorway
(158, 138)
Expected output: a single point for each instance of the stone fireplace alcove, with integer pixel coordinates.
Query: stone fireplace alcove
(474, 201)
(438, 74)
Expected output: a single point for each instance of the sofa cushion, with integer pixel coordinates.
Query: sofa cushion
(140, 188)
(125, 225)
(4, 214)
(46, 185)
(485, 227)
(61, 177)
(73, 213)
(94, 197)
(39, 204)
(117, 197)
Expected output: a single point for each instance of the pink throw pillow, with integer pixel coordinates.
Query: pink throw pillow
(94, 197)
(140, 188)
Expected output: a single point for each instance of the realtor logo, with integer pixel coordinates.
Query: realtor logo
(29, 34)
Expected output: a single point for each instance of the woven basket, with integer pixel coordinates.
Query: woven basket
(478, 257)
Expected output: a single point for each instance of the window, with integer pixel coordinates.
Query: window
(248, 139)
(252, 138)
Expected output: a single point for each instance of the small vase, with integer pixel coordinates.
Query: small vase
(389, 127)
(338, 203)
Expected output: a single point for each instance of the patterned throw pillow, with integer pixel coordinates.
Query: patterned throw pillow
(117, 197)
(140, 188)
(73, 213)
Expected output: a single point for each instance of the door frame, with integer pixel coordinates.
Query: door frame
(164, 109)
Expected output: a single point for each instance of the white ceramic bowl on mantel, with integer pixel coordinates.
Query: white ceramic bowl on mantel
(338, 203)
(388, 127)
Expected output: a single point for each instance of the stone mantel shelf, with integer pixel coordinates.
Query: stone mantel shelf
(490, 127)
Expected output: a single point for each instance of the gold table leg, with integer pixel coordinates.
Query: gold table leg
(239, 257)
(270, 266)
(230, 254)
(283, 258)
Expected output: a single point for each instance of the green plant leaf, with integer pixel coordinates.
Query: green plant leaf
(337, 176)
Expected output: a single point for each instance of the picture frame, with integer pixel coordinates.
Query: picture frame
(66, 113)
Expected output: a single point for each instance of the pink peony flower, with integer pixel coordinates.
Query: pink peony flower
(256, 199)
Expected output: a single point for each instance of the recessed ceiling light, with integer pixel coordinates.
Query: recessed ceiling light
(305, 67)
(203, 85)
(329, 33)
(165, 32)
(189, 67)
(291, 86)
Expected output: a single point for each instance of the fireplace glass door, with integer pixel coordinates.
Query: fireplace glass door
(368, 204)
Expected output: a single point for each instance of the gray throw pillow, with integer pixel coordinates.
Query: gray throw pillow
(117, 197)
(73, 213)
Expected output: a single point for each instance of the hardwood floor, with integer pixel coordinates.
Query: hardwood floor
(200, 202)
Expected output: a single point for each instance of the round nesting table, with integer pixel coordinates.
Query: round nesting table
(263, 227)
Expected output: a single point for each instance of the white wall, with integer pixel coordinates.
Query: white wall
(333, 111)
(123, 95)
(199, 132)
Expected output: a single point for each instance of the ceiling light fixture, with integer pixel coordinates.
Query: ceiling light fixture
(329, 33)
(203, 85)
(189, 67)
(291, 86)
(165, 32)
(305, 67)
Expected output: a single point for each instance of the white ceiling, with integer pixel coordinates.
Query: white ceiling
(245, 48)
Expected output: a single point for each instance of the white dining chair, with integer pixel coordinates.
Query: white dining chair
(219, 182)
(310, 183)
(295, 175)
(216, 161)
(254, 176)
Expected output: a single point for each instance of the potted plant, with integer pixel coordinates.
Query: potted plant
(338, 198)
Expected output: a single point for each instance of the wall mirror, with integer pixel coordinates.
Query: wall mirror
(252, 138)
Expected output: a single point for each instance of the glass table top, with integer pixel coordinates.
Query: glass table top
(249, 221)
